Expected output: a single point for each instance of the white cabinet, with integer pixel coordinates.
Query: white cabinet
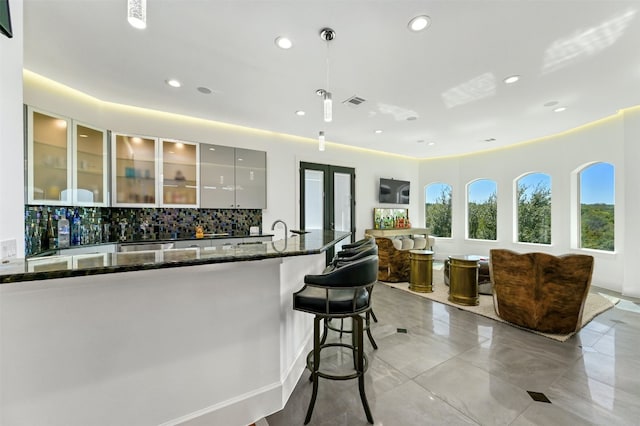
(192, 244)
(100, 248)
(66, 161)
(232, 177)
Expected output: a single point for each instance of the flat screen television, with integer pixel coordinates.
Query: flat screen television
(393, 191)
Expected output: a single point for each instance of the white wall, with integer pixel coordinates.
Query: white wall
(612, 140)
(284, 153)
(11, 134)
(631, 193)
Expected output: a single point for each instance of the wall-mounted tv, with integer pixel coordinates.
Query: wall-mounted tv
(393, 191)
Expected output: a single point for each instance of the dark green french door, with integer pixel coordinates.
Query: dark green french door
(327, 199)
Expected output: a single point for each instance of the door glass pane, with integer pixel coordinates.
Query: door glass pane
(89, 165)
(313, 195)
(342, 204)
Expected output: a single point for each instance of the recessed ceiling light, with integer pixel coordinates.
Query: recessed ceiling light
(378, 132)
(283, 43)
(212, 149)
(560, 109)
(83, 136)
(204, 90)
(173, 82)
(300, 113)
(511, 79)
(419, 23)
(431, 143)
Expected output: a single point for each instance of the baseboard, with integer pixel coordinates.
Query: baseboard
(251, 406)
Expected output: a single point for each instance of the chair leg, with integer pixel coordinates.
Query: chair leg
(368, 326)
(325, 331)
(358, 329)
(373, 315)
(316, 366)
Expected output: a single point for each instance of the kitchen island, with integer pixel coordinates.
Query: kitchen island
(183, 336)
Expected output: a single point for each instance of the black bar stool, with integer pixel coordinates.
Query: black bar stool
(345, 257)
(339, 293)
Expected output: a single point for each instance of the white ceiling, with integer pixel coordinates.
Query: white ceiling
(585, 55)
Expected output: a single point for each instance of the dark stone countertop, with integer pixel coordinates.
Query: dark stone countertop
(44, 268)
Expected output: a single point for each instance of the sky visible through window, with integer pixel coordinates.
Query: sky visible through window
(480, 190)
(596, 184)
(434, 191)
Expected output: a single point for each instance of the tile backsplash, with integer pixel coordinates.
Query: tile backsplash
(91, 225)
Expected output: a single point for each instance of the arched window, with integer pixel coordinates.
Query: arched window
(482, 210)
(597, 207)
(438, 209)
(534, 208)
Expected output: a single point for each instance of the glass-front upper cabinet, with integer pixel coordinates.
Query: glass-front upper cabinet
(232, 177)
(251, 179)
(180, 174)
(134, 169)
(89, 166)
(217, 176)
(48, 158)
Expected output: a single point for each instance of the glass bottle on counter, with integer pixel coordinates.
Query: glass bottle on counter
(47, 239)
(63, 232)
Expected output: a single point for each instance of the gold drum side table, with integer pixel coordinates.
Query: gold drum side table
(463, 280)
(421, 274)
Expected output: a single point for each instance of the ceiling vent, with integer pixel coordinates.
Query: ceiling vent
(354, 101)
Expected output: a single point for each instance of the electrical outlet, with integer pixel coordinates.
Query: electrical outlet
(8, 249)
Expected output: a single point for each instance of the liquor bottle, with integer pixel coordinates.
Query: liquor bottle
(63, 232)
(76, 229)
(47, 239)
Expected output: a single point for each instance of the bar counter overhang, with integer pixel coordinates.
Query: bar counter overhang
(203, 342)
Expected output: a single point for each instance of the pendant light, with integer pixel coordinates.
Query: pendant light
(137, 13)
(321, 141)
(327, 34)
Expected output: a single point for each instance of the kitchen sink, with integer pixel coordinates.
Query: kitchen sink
(123, 248)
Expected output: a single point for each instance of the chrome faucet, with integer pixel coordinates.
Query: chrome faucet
(286, 230)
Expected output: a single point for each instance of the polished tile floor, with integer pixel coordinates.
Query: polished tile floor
(453, 367)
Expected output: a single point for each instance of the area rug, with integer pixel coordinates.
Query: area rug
(594, 305)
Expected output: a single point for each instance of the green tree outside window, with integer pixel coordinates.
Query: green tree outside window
(534, 208)
(438, 209)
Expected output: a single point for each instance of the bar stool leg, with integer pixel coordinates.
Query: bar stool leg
(325, 331)
(360, 361)
(373, 315)
(368, 323)
(316, 366)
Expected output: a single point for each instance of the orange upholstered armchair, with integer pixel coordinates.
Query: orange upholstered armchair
(541, 291)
